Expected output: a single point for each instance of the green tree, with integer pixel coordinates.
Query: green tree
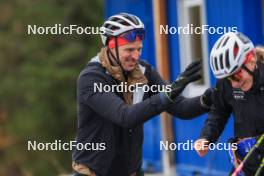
(38, 76)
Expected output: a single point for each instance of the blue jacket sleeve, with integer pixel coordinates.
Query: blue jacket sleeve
(111, 107)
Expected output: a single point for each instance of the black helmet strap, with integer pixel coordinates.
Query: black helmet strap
(247, 70)
(117, 59)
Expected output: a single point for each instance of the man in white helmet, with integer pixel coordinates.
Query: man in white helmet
(240, 91)
(111, 123)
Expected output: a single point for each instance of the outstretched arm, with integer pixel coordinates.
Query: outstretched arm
(214, 124)
(184, 108)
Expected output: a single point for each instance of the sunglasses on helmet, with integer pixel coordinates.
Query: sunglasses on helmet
(132, 35)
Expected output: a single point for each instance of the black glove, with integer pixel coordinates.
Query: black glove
(206, 99)
(190, 74)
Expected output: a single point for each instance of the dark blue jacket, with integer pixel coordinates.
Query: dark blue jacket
(104, 117)
(247, 108)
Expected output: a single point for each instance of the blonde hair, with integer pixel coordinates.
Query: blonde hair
(260, 53)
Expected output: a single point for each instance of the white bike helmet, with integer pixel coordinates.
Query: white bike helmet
(119, 24)
(229, 53)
